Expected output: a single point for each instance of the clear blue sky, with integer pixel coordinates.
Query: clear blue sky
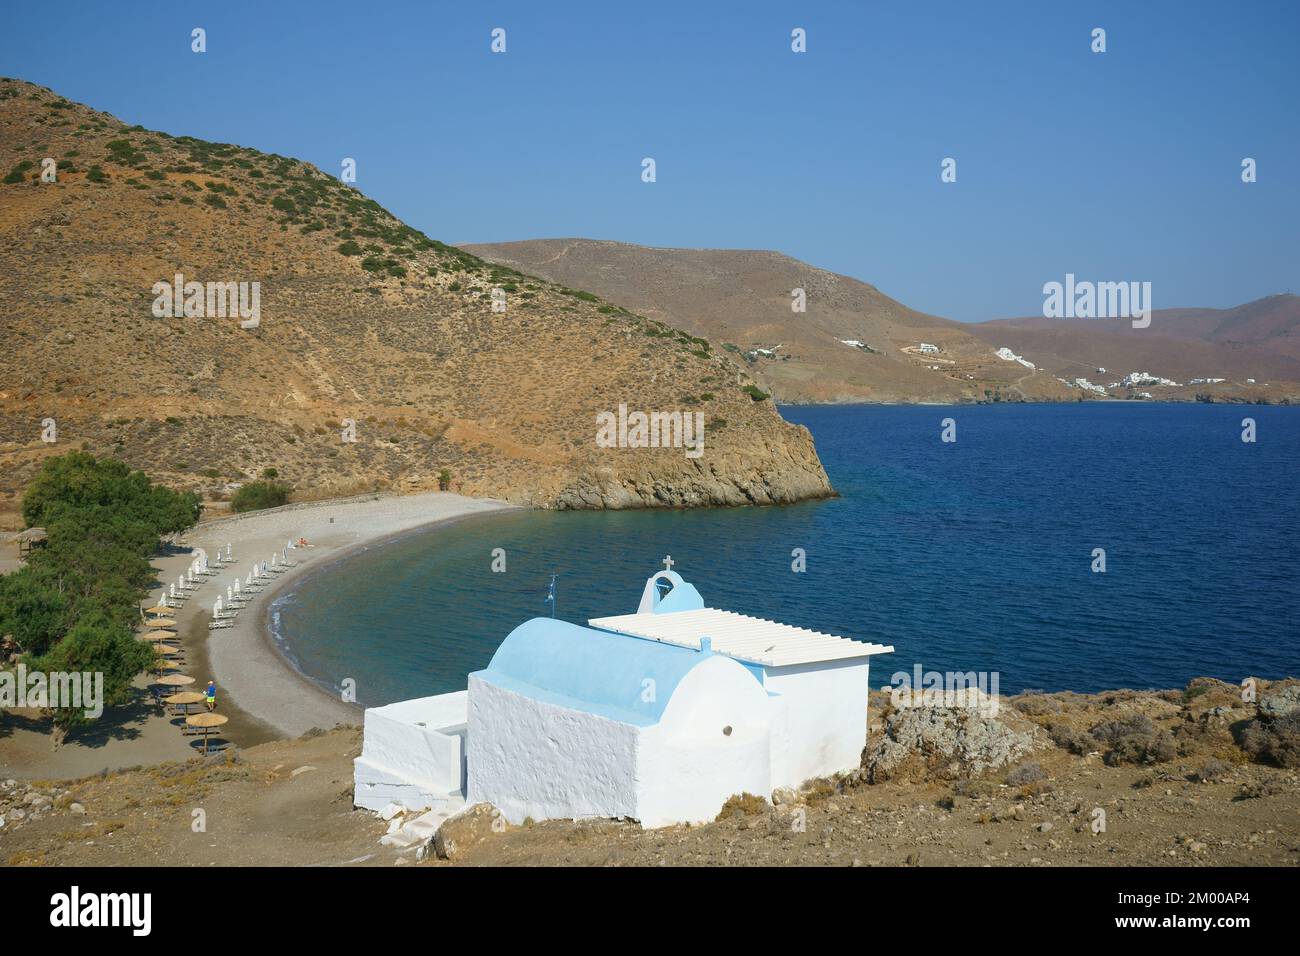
(1123, 165)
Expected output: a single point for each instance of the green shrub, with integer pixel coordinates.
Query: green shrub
(1134, 739)
(16, 174)
(257, 495)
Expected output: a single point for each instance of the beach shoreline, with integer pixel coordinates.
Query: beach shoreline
(264, 695)
(253, 673)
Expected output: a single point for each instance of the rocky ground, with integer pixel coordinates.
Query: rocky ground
(1197, 777)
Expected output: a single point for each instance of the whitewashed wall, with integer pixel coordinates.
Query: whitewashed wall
(688, 766)
(412, 753)
(826, 718)
(530, 758)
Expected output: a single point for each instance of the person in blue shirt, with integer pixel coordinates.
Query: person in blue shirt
(212, 695)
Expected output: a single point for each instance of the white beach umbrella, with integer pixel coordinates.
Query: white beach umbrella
(230, 593)
(236, 585)
(216, 608)
(173, 590)
(228, 552)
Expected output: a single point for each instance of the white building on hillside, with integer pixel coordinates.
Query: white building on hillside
(1007, 355)
(657, 716)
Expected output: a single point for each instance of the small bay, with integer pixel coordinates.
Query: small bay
(974, 555)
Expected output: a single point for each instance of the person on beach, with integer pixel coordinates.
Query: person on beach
(211, 695)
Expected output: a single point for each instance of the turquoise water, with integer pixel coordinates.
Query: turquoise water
(973, 555)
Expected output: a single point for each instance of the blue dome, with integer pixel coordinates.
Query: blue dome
(593, 671)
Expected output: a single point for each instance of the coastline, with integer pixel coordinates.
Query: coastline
(257, 683)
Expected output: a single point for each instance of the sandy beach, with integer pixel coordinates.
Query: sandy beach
(249, 671)
(257, 688)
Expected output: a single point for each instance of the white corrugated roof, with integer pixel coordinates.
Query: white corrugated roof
(753, 639)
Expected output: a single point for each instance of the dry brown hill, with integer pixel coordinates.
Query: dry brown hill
(742, 298)
(362, 318)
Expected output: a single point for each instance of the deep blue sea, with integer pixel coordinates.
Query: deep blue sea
(974, 555)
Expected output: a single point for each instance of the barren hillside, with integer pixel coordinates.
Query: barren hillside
(361, 318)
(853, 343)
(856, 344)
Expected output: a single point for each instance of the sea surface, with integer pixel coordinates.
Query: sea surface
(973, 555)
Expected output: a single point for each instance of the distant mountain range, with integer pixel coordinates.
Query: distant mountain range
(1259, 340)
(854, 343)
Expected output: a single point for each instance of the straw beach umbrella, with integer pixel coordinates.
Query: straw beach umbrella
(183, 699)
(206, 723)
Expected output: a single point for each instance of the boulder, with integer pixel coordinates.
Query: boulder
(949, 743)
(459, 833)
(1279, 700)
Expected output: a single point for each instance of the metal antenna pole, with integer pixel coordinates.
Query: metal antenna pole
(550, 595)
